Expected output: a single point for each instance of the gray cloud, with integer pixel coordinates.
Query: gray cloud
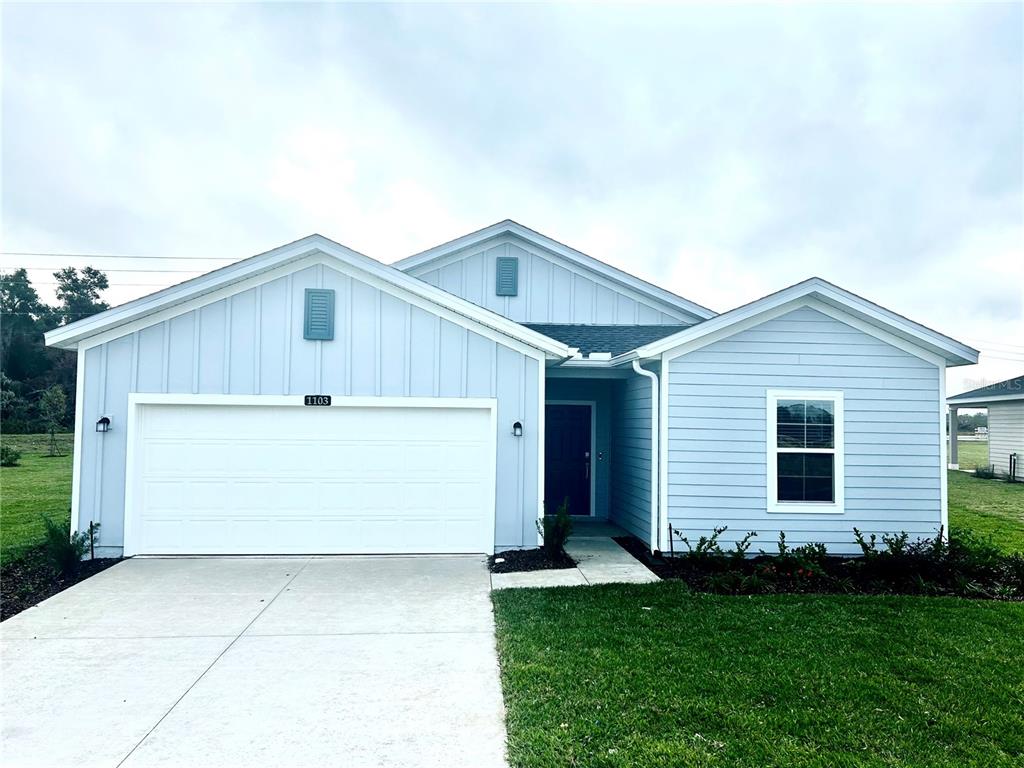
(722, 151)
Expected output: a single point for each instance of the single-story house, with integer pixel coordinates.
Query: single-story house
(314, 400)
(1005, 404)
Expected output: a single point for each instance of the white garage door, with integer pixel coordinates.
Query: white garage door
(254, 479)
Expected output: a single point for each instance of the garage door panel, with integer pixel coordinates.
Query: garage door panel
(275, 479)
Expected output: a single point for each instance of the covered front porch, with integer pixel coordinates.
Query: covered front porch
(599, 450)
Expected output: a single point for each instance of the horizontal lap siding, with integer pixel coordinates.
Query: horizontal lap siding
(717, 421)
(251, 343)
(631, 456)
(1006, 435)
(551, 290)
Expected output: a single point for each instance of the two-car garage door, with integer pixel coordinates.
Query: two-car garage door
(275, 479)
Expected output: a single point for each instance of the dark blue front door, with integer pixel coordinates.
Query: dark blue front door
(567, 457)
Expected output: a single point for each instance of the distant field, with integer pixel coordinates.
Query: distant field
(972, 453)
(987, 508)
(41, 485)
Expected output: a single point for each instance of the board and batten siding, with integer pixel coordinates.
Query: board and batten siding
(631, 456)
(551, 290)
(251, 343)
(1006, 435)
(717, 441)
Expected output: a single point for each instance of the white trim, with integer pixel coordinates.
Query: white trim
(287, 259)
(715, 335)
(655, 455)
(438, 257)
(356, 401)
(541, 435)
(835, 507)
(825, 297)
(663, 407)
(76, 461)
(981, 400)
(943, 456)
(136, 419)
(304, 263)
(593, 447)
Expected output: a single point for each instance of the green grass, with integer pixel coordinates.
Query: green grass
(971, 453)
(41, 485)
(593, 678)
(988, 508)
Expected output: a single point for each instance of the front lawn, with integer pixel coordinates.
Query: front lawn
(971, 453)
(41, 485)
(652, 675)
(987, 508)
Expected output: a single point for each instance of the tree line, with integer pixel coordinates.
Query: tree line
(37, 383)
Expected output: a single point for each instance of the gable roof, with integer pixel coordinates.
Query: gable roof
(614, 339)
(825, 296)
(418, 262)
(212, 285)
(1011, 389)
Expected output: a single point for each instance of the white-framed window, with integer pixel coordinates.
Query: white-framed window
(805, 451)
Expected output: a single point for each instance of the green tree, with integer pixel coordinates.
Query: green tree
(53, 405)
(78, 292)
(14, 408)
(22, 316)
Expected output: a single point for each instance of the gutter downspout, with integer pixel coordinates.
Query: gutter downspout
(655, 455)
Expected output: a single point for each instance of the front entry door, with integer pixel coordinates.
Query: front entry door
(568, 461)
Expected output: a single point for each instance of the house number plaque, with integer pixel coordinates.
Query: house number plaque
(317, 400)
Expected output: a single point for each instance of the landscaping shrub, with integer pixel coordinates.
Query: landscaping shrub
(65, 552)
(555, 530)
(963, 565)
(9, 457)
(987, 472)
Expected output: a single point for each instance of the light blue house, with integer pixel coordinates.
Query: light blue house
(313, 400)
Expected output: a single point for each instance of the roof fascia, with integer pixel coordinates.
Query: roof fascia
(982, 399)
(418, 263)
(878, 321)
(313, 250)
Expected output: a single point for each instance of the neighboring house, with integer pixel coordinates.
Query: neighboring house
(472, 385)
(1005, 404)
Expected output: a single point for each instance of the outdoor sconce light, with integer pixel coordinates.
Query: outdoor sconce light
(517, 429)
(103, 425)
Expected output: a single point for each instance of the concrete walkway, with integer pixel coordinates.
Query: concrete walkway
(354, 661)
(599, 560)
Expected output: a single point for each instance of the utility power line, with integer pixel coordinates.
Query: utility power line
(155, 270)
(113, 256)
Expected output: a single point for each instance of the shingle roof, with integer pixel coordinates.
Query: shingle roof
(1011, 388)
(605, 338)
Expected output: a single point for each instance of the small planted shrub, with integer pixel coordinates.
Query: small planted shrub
(66, 552)
(987, 472)
(9, 457)
(963, 565)
(555, 530)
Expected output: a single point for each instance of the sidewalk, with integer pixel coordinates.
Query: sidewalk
(599, 560)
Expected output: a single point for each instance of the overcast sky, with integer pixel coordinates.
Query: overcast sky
(723, 153)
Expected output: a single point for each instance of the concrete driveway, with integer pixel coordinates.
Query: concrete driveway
(354, 661)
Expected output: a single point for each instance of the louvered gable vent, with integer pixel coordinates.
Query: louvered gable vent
(507, 280)
(319, 325)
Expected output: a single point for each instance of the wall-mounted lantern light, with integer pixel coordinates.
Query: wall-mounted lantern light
(517, 429)
(103, 424)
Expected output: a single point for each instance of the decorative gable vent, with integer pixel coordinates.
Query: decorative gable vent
(319, 323)
(507, 280)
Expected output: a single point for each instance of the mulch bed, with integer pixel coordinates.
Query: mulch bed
(528, 560)
(29, 579)
(658, 565)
